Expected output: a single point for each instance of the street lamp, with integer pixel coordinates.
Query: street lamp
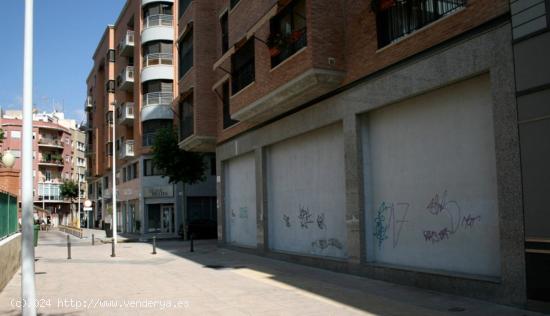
(28, 287)
(114, 222)
(8, 159)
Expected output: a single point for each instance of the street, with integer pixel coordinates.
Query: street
(211, 281)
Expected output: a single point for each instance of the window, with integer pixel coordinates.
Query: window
(227, 120)
(233, 3)
(111, 55)
(106, 182)
(186, 53)
(183, 4)
(149, 168)
(110, 86)
(395, 19)
(224, 32)
(157, 53)
(186, 118)
(16, 134)
(150, 129)
(242, 64)
(109, 149)
(48, 175)
(288, 32)
(130, 172)
(156, 9)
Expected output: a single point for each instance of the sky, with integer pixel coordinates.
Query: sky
(66, 34)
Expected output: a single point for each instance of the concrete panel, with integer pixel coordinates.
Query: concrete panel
(529, 14)
(521, 5)
(240, 200)
(532, 63)
(530, 27)
(157, 72)
(534, 105)
(10, 258)
(433, 181)
(306, 194)
(157, 33)
(535, 155)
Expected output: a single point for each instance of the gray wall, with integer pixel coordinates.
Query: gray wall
(306, 190)
(10, 258)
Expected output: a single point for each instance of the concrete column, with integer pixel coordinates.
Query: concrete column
(261, 199)
(354, 188)
(220, 202)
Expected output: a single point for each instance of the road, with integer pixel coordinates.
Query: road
(212, 281)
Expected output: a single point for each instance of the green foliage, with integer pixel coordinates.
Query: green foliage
(69, 189)
(175, 163)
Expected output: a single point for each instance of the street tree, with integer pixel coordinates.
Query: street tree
(175, 163)
(179, 165)
(69, 190)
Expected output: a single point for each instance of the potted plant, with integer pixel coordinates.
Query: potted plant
(295, 35)
(276, 43)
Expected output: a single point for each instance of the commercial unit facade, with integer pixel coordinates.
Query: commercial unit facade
(370, 140)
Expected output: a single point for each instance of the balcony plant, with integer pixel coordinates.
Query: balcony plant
(276, 42)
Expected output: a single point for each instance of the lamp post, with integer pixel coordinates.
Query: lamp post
(114, 181)
(28, 290)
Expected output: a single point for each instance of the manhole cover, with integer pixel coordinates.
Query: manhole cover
(457, 309)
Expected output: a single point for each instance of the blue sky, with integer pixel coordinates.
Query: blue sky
(66, 33)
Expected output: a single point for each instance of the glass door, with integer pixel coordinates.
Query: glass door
(167, 222)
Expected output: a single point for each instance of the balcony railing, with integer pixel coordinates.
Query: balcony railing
(295, 41)
(157, 98)
(125, 79)
(157, 59)
(89, 104)
(52, 161)
(396, 19)
(126, 45)
(158, 20)
(50, 142)
(125, 113)
(49, 192)
(126, 149)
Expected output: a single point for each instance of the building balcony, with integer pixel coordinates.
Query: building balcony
(48, 162)
(145, 2)
(49, 192)
(125, 113)
(50, 143)
(157, 106)
(158, 27)
(126, 45)
(126, 149)
(157, 66)
(89, 104)
(125, 80)
(300, 63)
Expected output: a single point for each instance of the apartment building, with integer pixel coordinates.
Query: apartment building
(56, 150)
(378, 138)
(374, 137)
(135, 77)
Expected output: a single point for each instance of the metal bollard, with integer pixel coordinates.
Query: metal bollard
(68, 247)
(113, 248)
(154, 245)
(192, 244)
(93, 239)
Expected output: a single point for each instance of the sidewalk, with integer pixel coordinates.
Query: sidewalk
(213, 281)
